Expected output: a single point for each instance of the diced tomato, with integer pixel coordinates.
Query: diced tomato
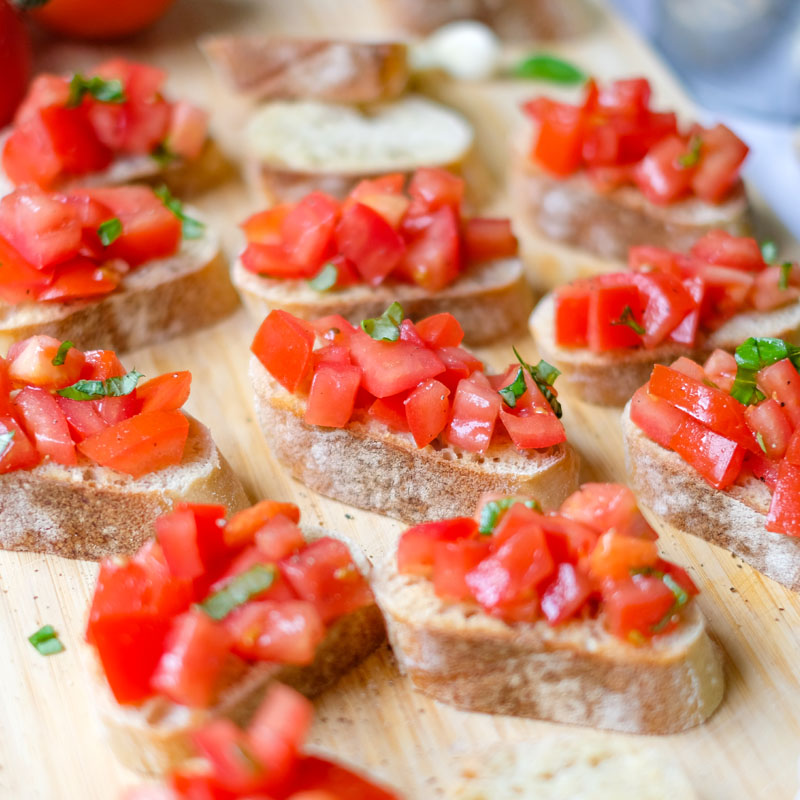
(178, 536)
(718, 171)
(637, 604)
(559, 141)
(646, 258)
(44, 90)
(608, 308)
(473, 415)
(616, 555)
(188, 126)
(408, 333)
(333, 395)
(29, 156)
(486, 239)
(273, 261)
(605, 507)
(781, 382)
(114, 410)
(660, 175)
(79, 278)
(435, 188)
(459, 364)
(667, 303)
(284, 713)
(100, 365)
(427, 411)
(572, 315)
(415, 550)
(307, 230)
(241, 528)
(532, 422)
(283, 344)
(167, 392)
(391, 411)
(793, 450)
(658, 419)
(784, 511)
(19, 453)
(5, 387)
(433, 258)
(74, 141)
(195, 651)
(46, 424)
(629, 96)
(441, 330)
(716, 458)
(279, 538)
(768, 422)
(364, 237)
(144, 443)
(769, 290)
(564, 597)
(264, 227)
(720, 368)
(567, 539)
(82, 418)
(688, 367)
(686, 331)
(225, 746)
(18, 280)
(314, 773)
(721, 248)
(31, 363)
(451, 563)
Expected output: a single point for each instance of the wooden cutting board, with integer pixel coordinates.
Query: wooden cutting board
(52, 747)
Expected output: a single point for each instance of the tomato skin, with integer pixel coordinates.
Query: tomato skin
(781, 382)
(441, 330)
(283, 344)
(242, 527)
(314, 773)
(668, 302)
(94, 19)
(307, 230)
(20, 454)
(82, 418)
(564, 597)
(416, 548)
(636, 604)
(31, 363)
(767, 418)
(473, 415)
(451, 563)
(571, 315)
(559, 143)
(74, 140)
(166, 392)
(717, 459)
(15, 60)
(784, 510)
(364, 237)
(333, 394)
(20, 281)
(427, 411)
(615, 555)
(721, 248)
(46, 424)
(100, 365)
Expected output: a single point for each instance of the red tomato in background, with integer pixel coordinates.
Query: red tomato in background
(15, 61)
(99, 19)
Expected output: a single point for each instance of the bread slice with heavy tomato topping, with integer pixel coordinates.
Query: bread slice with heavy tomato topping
(714, 450)
(605, 333)
(386, 242)
(203, 618)
(89, 455)
(117, 268)
(570, 616)
(398, 418)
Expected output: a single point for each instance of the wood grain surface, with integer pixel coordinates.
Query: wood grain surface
(52, 747)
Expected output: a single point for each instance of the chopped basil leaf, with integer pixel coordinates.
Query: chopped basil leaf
(162, 155)
(247, 584)
(325, 279)
(769, 251)
(6, 438)
(692, 155)
(627, 318)
(544, 67)
(61, 356)
(514, 390)
(46, 641)
(751, 356)
(786, 271)
(760, 440)
(105, 91)
(192, 228)
(110, 387)
(681, 599)
(386, 327)
(544, 375)
(109, 231)
(494, 509)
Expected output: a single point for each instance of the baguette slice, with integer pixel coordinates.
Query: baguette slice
(294, 148)
(367, 466)
(162, 299)
(567, 229)
(336, 71)
(611, 378)
(576, 767)
(733, 518)
(491, 300)
(576, 673)
(89, 512)
(155, 737)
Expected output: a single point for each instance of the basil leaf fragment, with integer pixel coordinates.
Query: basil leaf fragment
(192, 228)
(786, 271)
(494, 509)
(6, 438)
(110, 387)
(162, 155)
(681, 599)
(105, 91)
(544, 376)
(247, 584)
(386, 327)
(61, 356)
(760, 440)
(627, 318)
(751, 356)
(46, 641)
(109, 231)
(692, 155)
(544, 67)
(325, 279)
(514, 390)
(769, 251)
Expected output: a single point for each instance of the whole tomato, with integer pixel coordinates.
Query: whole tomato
(99, 19)
(15, 61)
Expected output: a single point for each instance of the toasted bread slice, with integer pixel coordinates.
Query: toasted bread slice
(162, 299)
(567, 229)
(588, 766)
(155, 737)
(335, 71)
(575, 673)
(296, 147)
(89, 512)
(491, 300)
(611, 378)
(733, 518)
(370, 467)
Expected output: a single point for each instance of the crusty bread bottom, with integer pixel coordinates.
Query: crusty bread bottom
(90, 512)
(367, 466)
(491, 300)
(733, 519)
(576, 673)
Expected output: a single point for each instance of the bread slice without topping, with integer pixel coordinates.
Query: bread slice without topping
(611, 378)
(733, 518)
(370, 467)
(157, 301)
(575, 673)
(89, 512)
(491, 300)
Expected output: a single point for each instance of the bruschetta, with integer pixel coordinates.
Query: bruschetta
(114, 268)
(320, 257)
(570, 616)
(611, 173)
(605, 333)
(713, 449)
(205, 616)
(398, 418)
(89, 456)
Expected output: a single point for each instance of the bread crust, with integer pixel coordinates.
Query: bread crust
(576, 673)
(611, 378)
(733, 519)
(90, 512)
(367, 466)
(491, 300)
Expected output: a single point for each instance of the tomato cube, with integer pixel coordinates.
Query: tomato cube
(74, 141)
(167, 392)
(768, 422)
(434, 188)
(333, 395)
(441, 330)
(488, 239)
(473, 416)
(721, 248)
(283, 344)
(716, 458)
(391, 412)
(784, 510)
(415, 550)
(364, 237)
(188, 128)
(279, 538)
(100, 365)
(616, 555)
(718, 171)
(177, 535)
(610, 307)
(45, 423)
(427, 411)
(637, 605)
(781, 382)
(433, 257)
(242, 527)
(660, 175)
(559, 142)
(19, 453)
(605, 507)
(31, 363)
(451, 563)
(572, 315)
(567, 539)
(656, 417)
(307, 230)
(667, 302)
(565, 596)
(223, 744)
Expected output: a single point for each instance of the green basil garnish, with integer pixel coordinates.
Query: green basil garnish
(681, 599)
(110, 387)
(692, 155)
(105, 91)
(192, 228)
(769, 251)
(544, 376)
(325, 279)
(109, 231)
(751, 356)
(786, 271)
(247, 584)
(46, 641)
(627, 318)
(494, 509)
(61, 356)
(6, 438)
(544, 67)
(760, 440)
(514, 390)
(386, 327)
(162, 155)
